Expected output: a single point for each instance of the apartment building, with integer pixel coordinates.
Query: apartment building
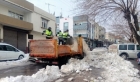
(96, 31)
(21, 21)
(66, 23)
(58, 23)
(110, 37)
(102, 32)
(81, 25)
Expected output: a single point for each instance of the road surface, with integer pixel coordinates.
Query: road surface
(22, 70)
(134, 62)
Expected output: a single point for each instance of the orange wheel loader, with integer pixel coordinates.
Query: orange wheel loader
(48, 51)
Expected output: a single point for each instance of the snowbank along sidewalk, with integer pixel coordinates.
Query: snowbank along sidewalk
(9, 64)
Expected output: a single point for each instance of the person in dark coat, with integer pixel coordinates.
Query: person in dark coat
(138, 58)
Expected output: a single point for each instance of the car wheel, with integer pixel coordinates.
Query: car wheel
(124, 56)
(20, 57)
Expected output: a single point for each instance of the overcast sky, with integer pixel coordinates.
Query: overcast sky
(66, 6)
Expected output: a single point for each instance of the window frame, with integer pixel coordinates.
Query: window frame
(123, 48)
(44, 23)
(137, 47)
(16, 15)
(15, 50)
(131, 45)
(3, 48)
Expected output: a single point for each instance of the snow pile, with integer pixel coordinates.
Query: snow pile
(75, 64)
(113, 48)
(74, 46)
(44, 75)
(9, 64)
(100, 49)
(85, 47)
(116, 68)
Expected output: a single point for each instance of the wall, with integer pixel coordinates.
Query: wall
(1, 33)
(96, 32)
(36, 36)
(22, 3)
(81, 32)
(37, 21)
(70, 25)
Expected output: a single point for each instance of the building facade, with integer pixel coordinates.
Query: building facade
(102, 32)
(81, 25)
(66, 24)
(110, 37)
(21, 21)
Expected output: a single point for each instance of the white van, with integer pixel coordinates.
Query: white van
(128, 50)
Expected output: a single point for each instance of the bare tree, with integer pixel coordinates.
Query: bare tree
(103, 10)
(121, 28)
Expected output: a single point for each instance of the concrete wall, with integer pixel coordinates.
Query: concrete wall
(1, 33)
(81, 32)
(36, 19)
(96, 31)
(22, 3)
(70, 25)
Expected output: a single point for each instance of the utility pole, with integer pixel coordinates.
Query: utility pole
(49, 6)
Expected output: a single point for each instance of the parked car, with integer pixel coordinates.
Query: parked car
(9, 52)
(128, 50)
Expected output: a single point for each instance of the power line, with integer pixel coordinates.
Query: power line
(49, 6)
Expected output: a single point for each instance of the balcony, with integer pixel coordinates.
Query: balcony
(13, 22)
(80, 27)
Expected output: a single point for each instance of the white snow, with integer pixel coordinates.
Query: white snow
(44, 75)
(9, 64)
(116, 68)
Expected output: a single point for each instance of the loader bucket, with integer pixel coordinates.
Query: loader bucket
(69, 41)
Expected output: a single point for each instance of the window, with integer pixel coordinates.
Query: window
(15, 15)
(138, 47)
(66, 24)
(10, 48)
(3, 48)
(44, 23)
(131, 47)
(30, 36)
(122, 47)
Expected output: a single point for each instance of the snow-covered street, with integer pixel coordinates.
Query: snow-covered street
(97, 66)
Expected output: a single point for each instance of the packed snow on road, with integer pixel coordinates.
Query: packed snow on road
(116, 69)
(9, 64)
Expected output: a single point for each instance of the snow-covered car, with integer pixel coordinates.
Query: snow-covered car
(9, 52)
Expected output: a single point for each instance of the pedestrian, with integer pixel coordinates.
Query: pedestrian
(65, 36)
(138, 58)
(60, 37)
(48, 32)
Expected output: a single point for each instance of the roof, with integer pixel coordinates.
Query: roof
(4, 43)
